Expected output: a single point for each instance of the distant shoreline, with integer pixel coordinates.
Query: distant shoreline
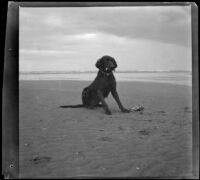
(84, 72)
(179, 77)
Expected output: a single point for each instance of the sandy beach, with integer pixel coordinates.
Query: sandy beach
(62, 143)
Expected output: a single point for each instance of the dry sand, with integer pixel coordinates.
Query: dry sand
(59, 143)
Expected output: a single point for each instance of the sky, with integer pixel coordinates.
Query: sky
(143, 38)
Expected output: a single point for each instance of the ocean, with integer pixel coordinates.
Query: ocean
(181, 78)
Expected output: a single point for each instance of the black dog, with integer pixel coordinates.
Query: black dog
(100, 88)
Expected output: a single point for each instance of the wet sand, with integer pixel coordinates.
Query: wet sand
(62, 143)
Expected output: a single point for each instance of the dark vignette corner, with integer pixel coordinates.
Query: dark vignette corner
(10, 110)
(10, 95)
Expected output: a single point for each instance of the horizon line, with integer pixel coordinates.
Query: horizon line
(95, 71)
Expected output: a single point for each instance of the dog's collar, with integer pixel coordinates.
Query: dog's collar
(106, 73)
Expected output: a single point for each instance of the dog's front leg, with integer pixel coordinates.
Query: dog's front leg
(103, 102)
(116, 97)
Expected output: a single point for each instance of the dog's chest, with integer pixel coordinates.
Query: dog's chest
(107, 86)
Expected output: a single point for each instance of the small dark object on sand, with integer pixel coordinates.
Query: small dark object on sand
(41, 159)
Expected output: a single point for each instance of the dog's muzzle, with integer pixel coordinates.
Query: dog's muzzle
(107, 71)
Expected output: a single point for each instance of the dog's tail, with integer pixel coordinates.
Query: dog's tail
(72, 106)
(79, 106)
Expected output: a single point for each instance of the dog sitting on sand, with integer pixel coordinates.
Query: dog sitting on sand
(99, 89)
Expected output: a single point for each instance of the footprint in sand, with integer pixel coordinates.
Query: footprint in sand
(163, 113)
(144, 132)
(120, 128)
(79, 155)
(107, 139)
(41, 159)
(187, 109)
(101, 129)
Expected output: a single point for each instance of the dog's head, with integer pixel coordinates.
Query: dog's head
(106, 64)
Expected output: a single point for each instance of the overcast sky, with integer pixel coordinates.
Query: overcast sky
(73, 38)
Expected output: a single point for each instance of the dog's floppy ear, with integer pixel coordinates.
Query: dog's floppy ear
(114, 62)
(99, 64)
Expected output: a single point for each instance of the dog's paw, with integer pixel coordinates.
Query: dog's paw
(108, 112)
(125, 110)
